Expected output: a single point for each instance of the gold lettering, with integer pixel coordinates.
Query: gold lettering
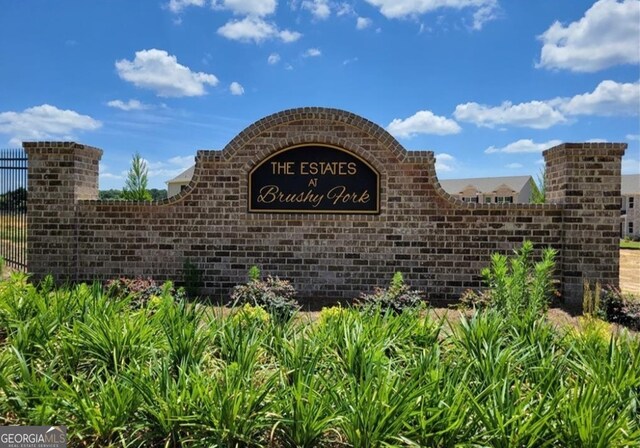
(271, 193)
(339, 195)
(352, 168)
(268, 194)
(282, 168)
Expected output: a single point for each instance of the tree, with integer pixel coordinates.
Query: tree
(539, 188)
(135, 187)
(105, 195)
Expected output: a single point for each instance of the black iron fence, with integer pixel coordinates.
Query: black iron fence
(13, 208)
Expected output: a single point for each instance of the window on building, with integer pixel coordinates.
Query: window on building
(504, 199)
(470, 198)
(487, 200)
(630, 201)
(630, 228)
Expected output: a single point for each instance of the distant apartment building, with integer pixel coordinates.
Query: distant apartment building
(180, 182)
(630, 216)
(490, 190)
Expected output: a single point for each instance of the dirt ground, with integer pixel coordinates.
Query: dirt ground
(630, 270)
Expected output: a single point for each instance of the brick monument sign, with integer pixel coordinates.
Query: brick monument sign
(327, 200)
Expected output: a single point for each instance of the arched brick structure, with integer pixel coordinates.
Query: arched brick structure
(439, 243)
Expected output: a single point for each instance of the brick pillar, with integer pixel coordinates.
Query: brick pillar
(585, 179)
(59, 175)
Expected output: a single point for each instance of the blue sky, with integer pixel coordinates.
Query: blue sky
(485, 84)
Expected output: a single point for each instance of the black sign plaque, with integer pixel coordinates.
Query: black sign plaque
(314, 178)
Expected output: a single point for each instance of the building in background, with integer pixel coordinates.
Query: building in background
(180, 182)
(490, 190)
(630, 216)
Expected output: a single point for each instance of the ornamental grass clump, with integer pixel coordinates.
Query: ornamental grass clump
(397, 297)
(274, 295)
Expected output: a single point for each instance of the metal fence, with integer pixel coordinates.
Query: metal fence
(13, 208)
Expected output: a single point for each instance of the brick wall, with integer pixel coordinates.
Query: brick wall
(438, 242)
(585, 179)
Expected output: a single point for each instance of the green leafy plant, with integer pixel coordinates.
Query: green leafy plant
(2, 264)
(620, 308)
(398, 297)
(135, 187)
(519, 287)
(539, 188)
(254, 274)
(184, 375)
(140, 291)
(276, 296)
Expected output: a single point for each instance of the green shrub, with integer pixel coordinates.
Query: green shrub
(2, 263)
(274, 295)
(140, 291)
(621, 308)
(397, 298)
(519, 287)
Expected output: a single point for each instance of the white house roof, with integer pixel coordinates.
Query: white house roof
(485, 184)
(630, 184)
(183, 177)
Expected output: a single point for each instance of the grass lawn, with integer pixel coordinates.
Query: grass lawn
(629, 244)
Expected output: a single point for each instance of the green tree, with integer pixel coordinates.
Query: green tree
(539, 188)
(105, 195)
(135, 187)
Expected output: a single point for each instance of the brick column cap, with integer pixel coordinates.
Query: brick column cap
(586, 148)
(59, 147)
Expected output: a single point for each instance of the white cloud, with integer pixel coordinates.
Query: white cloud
(236, 88)
(178, 5)
(534, 114)
(128, 105)
(44, 122)
(257, 8)
(608, 98)
(394, 9)
(319, 8)
(362, 23)
(273, 58)
(523, 146)
(607, 35)
(350, 61)
(423, 122)
(632, 137)
(445, 162)
(514, 166)
(312, 53)
(257, 30)
(344, 9)
(170, 168)
(289, 36)
(596, 140)
(484, 14)
(159, 71)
